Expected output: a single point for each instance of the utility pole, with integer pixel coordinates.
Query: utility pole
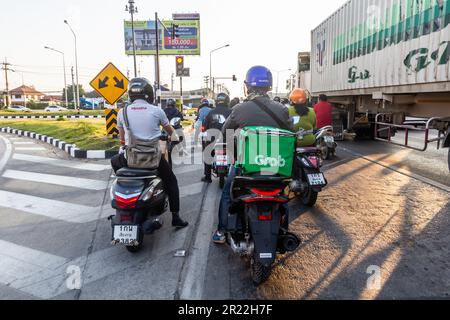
(173, 81)
(132, 9)
(157, 57)
(73, 89)
(181, 88)
(6, 68)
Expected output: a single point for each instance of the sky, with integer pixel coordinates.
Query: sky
(260, 32)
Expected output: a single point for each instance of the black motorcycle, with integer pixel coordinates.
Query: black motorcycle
(257, 223)
(221, 166)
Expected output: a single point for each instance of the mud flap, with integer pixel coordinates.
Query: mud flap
(264, 233)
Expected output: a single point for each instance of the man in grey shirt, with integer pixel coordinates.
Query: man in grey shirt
(145, 120)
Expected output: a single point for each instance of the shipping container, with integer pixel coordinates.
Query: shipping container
(380, 61)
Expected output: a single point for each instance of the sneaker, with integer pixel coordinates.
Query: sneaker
(219, 238)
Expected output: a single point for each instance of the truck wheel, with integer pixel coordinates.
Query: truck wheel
(259, 272)
(309, 198)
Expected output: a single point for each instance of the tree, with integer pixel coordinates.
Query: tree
(70, 93)
(92, 94)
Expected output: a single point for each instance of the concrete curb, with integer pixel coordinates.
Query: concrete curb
(72, 150)
(52, 117)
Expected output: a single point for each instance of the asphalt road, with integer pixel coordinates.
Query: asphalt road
(385, 207)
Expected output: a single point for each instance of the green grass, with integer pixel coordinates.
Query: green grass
(85, 134)
(43, 113)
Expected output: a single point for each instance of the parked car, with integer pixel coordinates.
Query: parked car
(19, 108)
(55, 109)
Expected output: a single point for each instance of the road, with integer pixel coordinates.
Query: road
(385, 207)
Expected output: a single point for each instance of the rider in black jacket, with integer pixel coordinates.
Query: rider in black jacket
(215, 121)
(172, 111)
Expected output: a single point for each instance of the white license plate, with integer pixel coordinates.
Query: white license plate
(125, 234)
(222, 160)
(317, 179)
(328, 139)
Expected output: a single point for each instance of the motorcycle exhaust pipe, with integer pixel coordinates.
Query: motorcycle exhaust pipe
(290, 242)
(242, 249)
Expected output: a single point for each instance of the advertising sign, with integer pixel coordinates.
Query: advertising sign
(187, 42)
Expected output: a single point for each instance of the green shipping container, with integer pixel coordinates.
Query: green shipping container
(266, 151)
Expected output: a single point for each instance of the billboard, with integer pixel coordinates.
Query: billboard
(188, 42)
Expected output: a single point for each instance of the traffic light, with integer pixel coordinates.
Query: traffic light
(234, 78)
(180, 66)
(175, 31)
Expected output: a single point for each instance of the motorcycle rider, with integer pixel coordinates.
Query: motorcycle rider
(215, 120)
(203, 111)
(324, 112)
(258, 83)
(171, 110)
(145, 120)
(305, 116)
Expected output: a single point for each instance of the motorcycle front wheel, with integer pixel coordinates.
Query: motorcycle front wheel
(325, 151)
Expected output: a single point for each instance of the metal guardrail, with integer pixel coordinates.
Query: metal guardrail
(408, 128)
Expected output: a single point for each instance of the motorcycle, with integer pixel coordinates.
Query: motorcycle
(140, 200)
(258, 227)
(221, 165)
(311, 180)
(167, 147)
(326, 143)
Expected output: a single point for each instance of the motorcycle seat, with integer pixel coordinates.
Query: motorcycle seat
(135, 173)
(307, 150)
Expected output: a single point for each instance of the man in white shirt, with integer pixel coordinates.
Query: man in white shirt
(145, 121)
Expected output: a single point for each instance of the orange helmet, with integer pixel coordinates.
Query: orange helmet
(298, 96)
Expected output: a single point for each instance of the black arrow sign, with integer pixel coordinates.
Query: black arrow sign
(119, 84)
(103, 83)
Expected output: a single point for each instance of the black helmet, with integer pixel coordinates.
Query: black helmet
(171, 103)
(277, 99)
(223, 99)
(141, 88)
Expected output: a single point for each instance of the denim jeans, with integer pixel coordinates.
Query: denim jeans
(225, 203)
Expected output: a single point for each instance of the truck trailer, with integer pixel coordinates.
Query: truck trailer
(381, 61)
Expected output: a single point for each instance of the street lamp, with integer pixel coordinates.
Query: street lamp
(64, 70)
(77, 102)
(210, 65)
(132, 9)
(278, 78)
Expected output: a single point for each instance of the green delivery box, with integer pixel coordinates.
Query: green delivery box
(265, 151)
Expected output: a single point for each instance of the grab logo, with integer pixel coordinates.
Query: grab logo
(268, 161)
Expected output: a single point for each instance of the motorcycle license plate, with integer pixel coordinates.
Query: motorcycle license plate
(221, 160)
(316, 179)
(328, 139)
(125, 234)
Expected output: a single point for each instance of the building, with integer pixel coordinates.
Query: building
(25, 94)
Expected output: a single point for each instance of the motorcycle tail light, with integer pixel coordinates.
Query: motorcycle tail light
(265, 217)
(126, 203)
(315, 161)
(266, 193)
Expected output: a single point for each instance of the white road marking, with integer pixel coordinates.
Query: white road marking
(195, 269)
(23, 143)
(62, 163)
(80, 183)
(7, 154)
(31, 149)
(191, 189)
(53, 209)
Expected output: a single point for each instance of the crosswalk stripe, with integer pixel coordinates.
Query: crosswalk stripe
(53, 209)
(31, 149)
(23, 143)
(80, 183)
(61, 163)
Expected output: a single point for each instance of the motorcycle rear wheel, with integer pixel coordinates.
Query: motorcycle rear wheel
(221, 182)
(325, 151)
(136, 249)
(259, 272)
(309, 198)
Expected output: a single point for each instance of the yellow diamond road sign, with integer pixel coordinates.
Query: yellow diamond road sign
(110, 83)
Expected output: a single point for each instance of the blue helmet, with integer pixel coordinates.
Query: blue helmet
(259, 77)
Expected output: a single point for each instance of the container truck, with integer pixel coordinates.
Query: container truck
(380, 61)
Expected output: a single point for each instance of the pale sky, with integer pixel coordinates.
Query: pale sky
(260, 32)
